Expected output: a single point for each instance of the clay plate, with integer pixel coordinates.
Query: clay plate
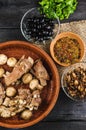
(49, 93)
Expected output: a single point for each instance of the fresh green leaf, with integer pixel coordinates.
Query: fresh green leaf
(59, 1)
(69, 2)
(58, 8)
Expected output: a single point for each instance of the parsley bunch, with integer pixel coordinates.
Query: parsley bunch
(58, 8)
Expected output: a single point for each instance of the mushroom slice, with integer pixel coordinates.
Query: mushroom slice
(27, 78)
(33, 84)
(10, 91)
(26, 114)
(3, 59)
(11, 61)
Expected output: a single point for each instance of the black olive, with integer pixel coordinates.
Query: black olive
(34, 30)
(48, 27)
(34, 21)
(42, 21)
(50, 33)
(43, 31)
(45, 38)
(36, 37)
(39, 28)
(37, 20)
(29, 33)
(44, 25)
(41, 39)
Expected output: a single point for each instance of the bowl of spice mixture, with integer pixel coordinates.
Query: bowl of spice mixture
(67, 48)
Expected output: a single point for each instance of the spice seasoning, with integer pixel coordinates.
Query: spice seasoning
(67, 50)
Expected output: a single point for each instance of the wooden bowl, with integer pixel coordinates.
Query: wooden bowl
(49, 93)
(71, 35)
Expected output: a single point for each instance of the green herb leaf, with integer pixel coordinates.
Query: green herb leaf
(58, 8)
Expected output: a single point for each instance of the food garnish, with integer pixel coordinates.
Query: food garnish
(58, 8)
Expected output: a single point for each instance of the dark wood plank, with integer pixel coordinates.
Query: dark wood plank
(10, 34)
(66, 114)
(66, 109)
(18, 2)
(56, 126)
(11, 11)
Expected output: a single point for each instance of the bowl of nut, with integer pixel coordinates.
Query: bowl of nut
(67, 48)
(29, 84)
(36, 28)
(73, 81)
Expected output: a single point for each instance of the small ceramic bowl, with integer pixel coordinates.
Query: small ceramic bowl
(72, 36)
(50, 92)
(34, 13)
(73, 81)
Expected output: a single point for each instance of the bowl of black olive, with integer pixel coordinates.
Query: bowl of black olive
(73, 81)
(36, 28)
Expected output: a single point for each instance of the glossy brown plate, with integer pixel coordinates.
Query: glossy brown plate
(49, 93)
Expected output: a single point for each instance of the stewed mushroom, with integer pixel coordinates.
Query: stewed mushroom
(33, 84)
(10, 91)
(11, 61)
(26, 114)
(27, 78)
(3, 59)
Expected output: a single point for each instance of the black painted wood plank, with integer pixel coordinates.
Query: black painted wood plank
(11, 11)
(18, 2)
(66, 109)
(66, 114)
(10, 34)
(56, 126)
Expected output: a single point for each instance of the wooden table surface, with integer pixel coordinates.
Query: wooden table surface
(66, 114)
